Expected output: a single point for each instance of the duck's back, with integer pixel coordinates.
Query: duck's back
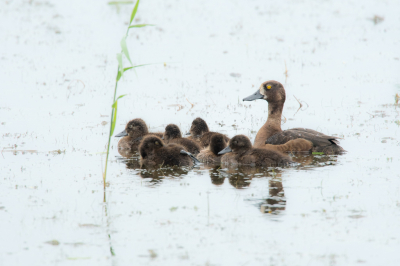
(269, 157)
(189, 145)
(320, 141)
(207, 156)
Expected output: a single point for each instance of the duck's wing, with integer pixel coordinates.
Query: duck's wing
(317, 138)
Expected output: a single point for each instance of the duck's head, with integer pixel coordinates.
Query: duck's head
(271, 91)
(217, 143)
(237, 144)
(135, 128)
(199, 127)
(150, 143)
(172, 131)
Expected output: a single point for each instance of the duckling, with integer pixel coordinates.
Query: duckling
(134, 131)
(241, 152)
(199, 132)
(153, 151)
(271, 133)
(173, 134)
(210, 154)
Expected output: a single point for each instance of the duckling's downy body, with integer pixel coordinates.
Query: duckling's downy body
(173, 134)
(153, 151)
(134, 131)
(296, 139)
(200, 133)
(240, 151)
(210, 154)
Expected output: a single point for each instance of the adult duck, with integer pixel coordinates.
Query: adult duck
(271, 133)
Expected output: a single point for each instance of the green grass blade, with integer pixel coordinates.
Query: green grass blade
(114, 118)
(140, 25)
(120, 2)
(125, 49)
(134, 12)
(120, 66)
(127, 68)
(315, 152)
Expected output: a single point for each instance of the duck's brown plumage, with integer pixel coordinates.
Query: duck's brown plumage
(271, 133)
(210, 154)
(200, 133)
(242, 152)
(153, 151)
(173, 134)
(135, 129)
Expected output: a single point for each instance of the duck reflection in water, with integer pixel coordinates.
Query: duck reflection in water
(155, 175)
(276, 201)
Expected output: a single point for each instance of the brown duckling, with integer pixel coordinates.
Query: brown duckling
(173, 134)
(134, 131)
(153, 151)
(271, 133)
(199, 132)
(210, 154)
(240, 151)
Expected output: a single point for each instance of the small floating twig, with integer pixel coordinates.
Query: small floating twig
(301, 105)
(190, 103)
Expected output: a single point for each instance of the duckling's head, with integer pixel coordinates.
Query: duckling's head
(237, 144)
(136, 128)
(217, 143)
(271, 91)
(172, 131)
(150, 143)
(199, 127)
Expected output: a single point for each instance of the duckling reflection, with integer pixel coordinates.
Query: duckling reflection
(217, 177)
(156, 174)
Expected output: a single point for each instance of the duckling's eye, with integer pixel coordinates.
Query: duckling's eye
(269, 87)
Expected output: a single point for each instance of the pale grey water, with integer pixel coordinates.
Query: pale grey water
(57, 71)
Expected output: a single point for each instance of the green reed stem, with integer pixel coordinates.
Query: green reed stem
(120, 72)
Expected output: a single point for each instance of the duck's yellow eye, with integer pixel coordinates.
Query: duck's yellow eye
(157, 143)
(269, 86)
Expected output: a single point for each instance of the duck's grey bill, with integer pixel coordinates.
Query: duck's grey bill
(187, 133)
(257, 95)
(191, 156)
(121, 134)
(226, 150)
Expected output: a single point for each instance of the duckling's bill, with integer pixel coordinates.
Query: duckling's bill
(255, 96)
(121, 134)
(226, 150)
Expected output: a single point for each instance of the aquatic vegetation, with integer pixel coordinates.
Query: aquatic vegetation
(120, 72)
